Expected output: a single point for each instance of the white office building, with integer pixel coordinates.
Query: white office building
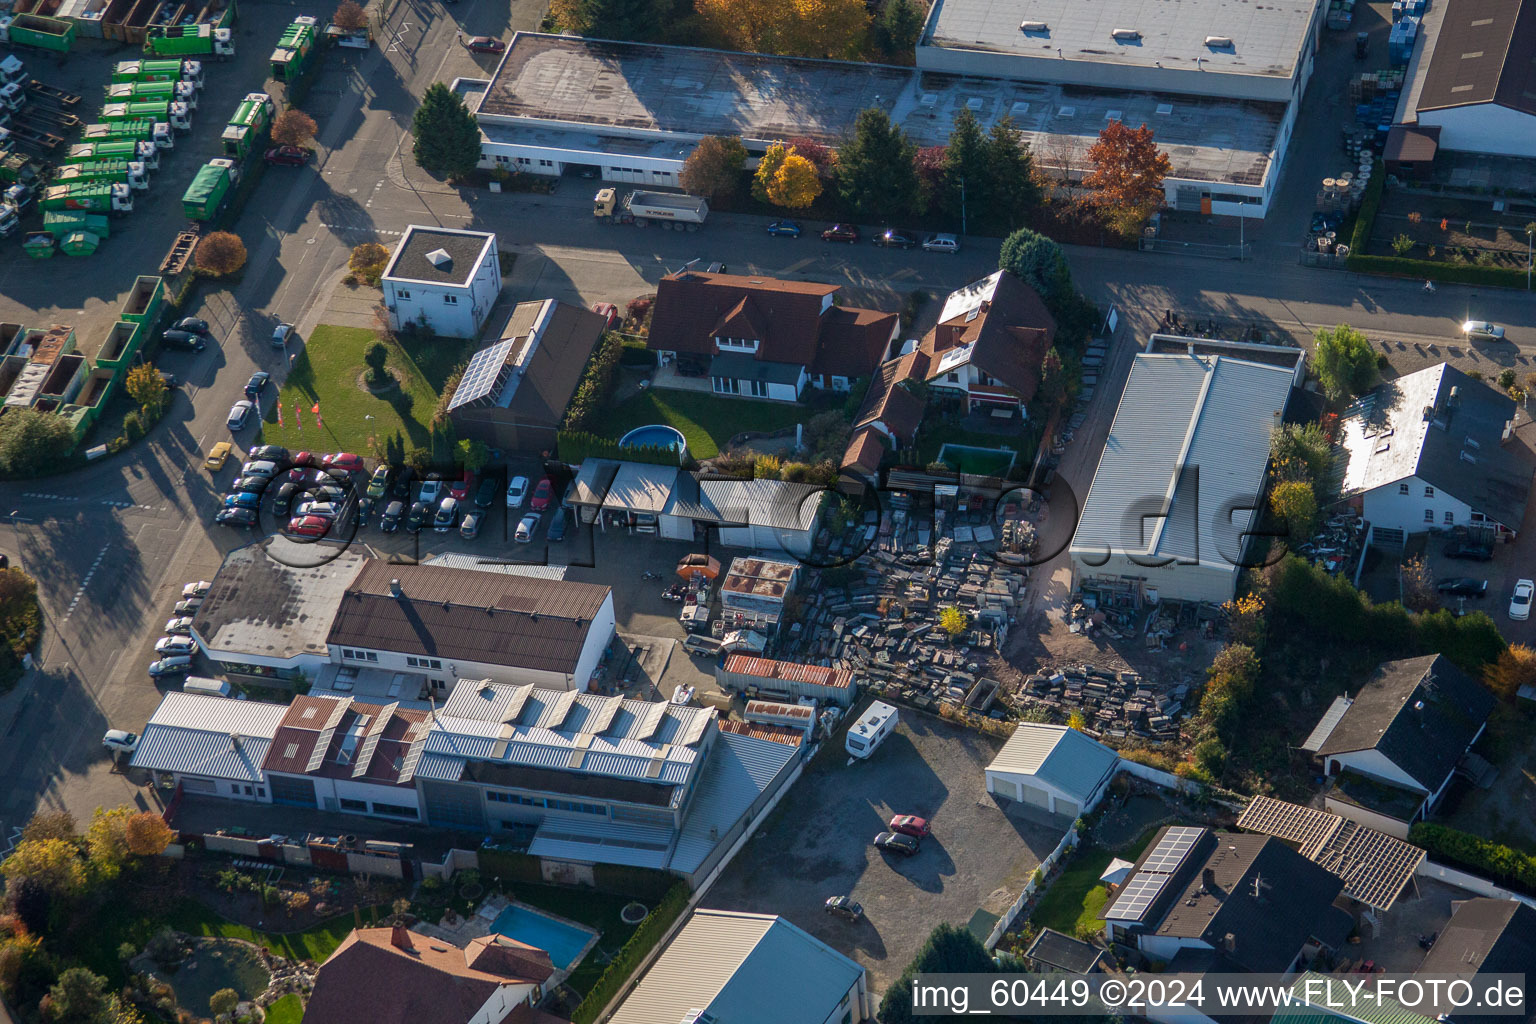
(444, 280)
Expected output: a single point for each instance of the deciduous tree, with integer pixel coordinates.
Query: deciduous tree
(220, 253)
(46, 824)
(31, 440)
(148, 835)
(1301, 450)
(823, 157)
(368, 261)
(447, 136)
(610, 19)
(714, 166)
(1346, 365)
(1515, 668)
(1038, 261)
(767, 166)
(375, 356)
(954, 621)
(147, 387)
(802, 28)
(30, 900)
(875, 172)
(53, 863)
(293, 128)
(795, 184)
(929, 163)
(1053, 383)
(223, 1002)
(106, 842)
(473, 455)
(1126, 180)
(350, 16)
(78, 997)
(1419, 594)
(1295, 504)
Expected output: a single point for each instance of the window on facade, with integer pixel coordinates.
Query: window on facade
(261, 791)
(1429, 492)
(357, 806)
(727, 385)
(737, 344)
(1402, 488)
(1450, 517)
(1478, 517)
(1429, 515)
(451, 300)
(953, 378)
(394, 810)
(546, 163)
(502, 160)
(348, 654)
(415, 662)
(401, 293)
(759, 389)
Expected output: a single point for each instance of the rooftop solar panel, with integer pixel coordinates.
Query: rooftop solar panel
(1172, 850)
(1137, 897)
(482, 374)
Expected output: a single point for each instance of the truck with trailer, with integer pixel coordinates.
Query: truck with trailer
(210, 190)
(172, 69)
(141, 150)
(672, 210)
(199, 41)
(98, 197)
(247, 131)
(118, 131)
(296, 49)
(132, 92)
(12, 70)
(175, 114)
(37, 31)
(131, 172)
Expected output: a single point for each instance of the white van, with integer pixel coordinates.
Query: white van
(866, 735)
(202, 684)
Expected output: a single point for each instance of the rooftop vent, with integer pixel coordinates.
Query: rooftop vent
(1165, 109)
(1066, 111)
(440, 259)
(929, 99)
(394, 589)
(1218, 42)
(1467, 456)
(1034, 26)
(974, 103)
(1113, 115)
(1019, 109)
(1126, 35)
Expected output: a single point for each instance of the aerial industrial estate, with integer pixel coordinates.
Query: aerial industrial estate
(695, 512)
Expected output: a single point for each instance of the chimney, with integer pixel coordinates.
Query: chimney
(394, 589)
(1229, 942)
(1208, 879)
(400, 937)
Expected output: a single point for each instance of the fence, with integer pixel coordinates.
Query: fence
(1472, 883)
(1208, 250)
(1158, 777)
(1068, 842)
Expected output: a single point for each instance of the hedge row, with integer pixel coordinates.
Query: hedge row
(645, 938)
(576, 446)
(645, 884)
(510, 867)
(596, 383)
(1478, 854)
(1365, 218)
(1450, 273)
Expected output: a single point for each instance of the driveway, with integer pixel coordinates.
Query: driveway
(817, 844)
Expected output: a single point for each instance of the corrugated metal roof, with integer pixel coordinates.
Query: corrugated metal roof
(767, 668)
(1368, 1006)
(774, 503)
(602, 841)
(219, 714)
(737, 967)
(1065, 758)
(640, 487)
(464, 560)
(1319, 735)
(738, 770)
(194, 734)
(1190, 440)
(443, 767)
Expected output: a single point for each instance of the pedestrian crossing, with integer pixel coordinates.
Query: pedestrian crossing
(112, 502)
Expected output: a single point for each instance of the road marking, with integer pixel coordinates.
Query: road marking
(113, 502)
(87, 581)
(337, 228)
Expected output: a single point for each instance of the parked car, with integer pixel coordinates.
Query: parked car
(243, 499)
(941, 243)
(270, 452)
(176, 665)
(361, 511)
(469, 529)
(517, 492)
(378, 483)
(431, 489)
(421, 513)
(911, 825)
(1520, 602)
(784, 229)
(895, 240)
(609, 312)
(405, 480)
(193, 324)
(198, 589)
(184, 340)
(447, 515)
(239, 413)
(541, 495)
(287, 156)
(168, 646)
(485, 497)
(328, 492)
(248, 483)
(459, 488)
(841, 233)
(343, 462)
(1463, 586)
(1469, 552)
(485, 44)
(895, 842)
(309, 526)
(188, 607)
(526, 528)
(120, 741)
(257, 384)
(305, 459)
(314, 507)
(389, 522)
(844, 906)
(280, 335)
(181, 625)
(307, 477)
(170, 380)
(242, 517)
(558, 525)
(1482, 330)
(259, 467)
(282, 501)
(218, 455)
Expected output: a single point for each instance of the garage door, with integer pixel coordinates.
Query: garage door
(1001, 785)
(1036, 797)
(1067, 808)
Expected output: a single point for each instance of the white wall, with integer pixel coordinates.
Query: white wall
(1484, 128)
(500, 1001)
(1370, 819)
(1387, 508)
(1375, 764)
(1215, 584)
(330, 792)
(598, 635)
(461, 319)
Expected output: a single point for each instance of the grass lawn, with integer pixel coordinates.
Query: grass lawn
(706, 420)
(287, 1010)
(1075, 898)
(327, 370)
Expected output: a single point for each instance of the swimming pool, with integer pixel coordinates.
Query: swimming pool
(563, 942)
(657, 435)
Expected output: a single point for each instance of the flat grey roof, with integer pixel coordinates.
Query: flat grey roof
(584, 96)
(410, 262)
(262, 607)
(1266, 37)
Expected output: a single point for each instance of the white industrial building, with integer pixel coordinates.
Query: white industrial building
(632, 112)
(1470, 86)
(1057, 769)
(1180, 480)
(443, 279)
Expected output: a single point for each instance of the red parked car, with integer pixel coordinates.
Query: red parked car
(486, 44)
(608, 310)
(344, 462)
(911, 825)
(541, 495)
(459, 489)
(306, 459)
(309, 526)
(841, 233)
(289, 156)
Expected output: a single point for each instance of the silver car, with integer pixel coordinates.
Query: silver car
(1483, 329)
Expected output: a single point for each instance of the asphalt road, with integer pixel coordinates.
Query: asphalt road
(112, 544)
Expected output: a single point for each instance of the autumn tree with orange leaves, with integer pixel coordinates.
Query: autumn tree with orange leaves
(1126, 182)
(799, 28)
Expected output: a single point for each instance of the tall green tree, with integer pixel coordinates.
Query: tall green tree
(78, 997)
(967, 178)
(949, 950)
(447, 134)
(875, 172)
(1013, 192)
(1037, 260)
(30, 440)
(610, 19)
(901, 22)
(1346, 365)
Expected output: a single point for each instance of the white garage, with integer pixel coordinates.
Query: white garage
(1057, 769)
(765, 515)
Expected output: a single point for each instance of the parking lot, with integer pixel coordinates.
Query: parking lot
(816, 844)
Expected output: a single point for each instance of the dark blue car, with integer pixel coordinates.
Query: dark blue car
(245, 499)
(257, 384)
(786, 228)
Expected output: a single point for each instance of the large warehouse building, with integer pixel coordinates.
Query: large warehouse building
(632, 112)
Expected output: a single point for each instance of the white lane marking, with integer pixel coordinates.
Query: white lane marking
(87, 581)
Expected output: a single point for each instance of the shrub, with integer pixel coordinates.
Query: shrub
(220, 253)
(644, 939)
(596, 384)
(1481, 855)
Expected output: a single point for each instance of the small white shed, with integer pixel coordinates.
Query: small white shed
(1057, 769)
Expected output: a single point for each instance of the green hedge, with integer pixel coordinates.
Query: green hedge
(576, 446)
(1450, 273)
(636, 354)
(1365, 218)
(616, 975)
(645, 884)
(596, 383)
(1480, 855)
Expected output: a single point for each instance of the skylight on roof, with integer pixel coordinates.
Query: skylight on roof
(440, 259)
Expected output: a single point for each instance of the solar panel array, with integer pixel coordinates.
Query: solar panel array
(483, 373)
(1155, 874)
